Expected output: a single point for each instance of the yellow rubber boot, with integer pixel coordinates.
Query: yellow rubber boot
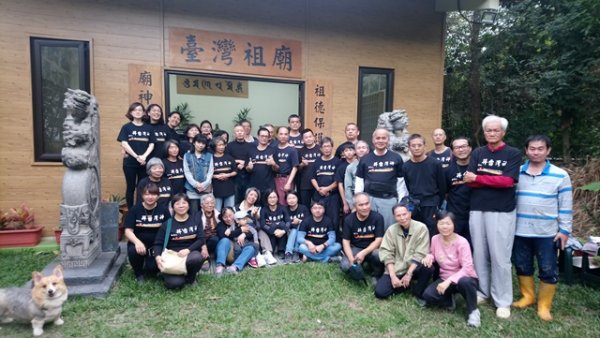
(545, 296)
(527, 288)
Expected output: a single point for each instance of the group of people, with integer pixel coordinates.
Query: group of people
(453, 215)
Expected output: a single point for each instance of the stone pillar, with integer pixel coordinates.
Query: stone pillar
(80, 209)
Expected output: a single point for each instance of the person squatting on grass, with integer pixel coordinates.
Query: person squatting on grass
(141, 225)
(361, 236)
(404, 245)
(234, 231)
(544, 221)
(186, 238)
(316, 236)
(452, 253)
(297, 213)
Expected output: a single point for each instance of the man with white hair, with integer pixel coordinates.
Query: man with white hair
(492, 174)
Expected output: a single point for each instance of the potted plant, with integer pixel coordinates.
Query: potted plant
(17, 228)
(57, 233)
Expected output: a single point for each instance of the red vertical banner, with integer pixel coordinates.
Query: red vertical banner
(318, 114)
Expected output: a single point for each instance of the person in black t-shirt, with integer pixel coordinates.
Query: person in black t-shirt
(286, 157)
(186, 238)
(492, 175)
(223, 175)
(161, 131)
(173, 121)
(351, 131)
(459, 193)
(340, 174)
(379, 174)
(262, 166)
(294, 125)
(239, 149)
(307, 156)
(362, 236)
(141, 225)
(323, 180)
(156, 169)
(297, 212)
(425, 181)
(440, 152)
(174, 167)
(137, 139)
(316, 236)
(187, 141)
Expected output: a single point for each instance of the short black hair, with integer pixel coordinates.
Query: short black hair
(460, 138)
(538, 138)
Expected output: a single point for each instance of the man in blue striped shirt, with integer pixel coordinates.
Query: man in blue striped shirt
(544, 219)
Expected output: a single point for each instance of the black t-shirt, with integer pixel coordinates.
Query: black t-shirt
(380, 173)
(324, 171)
(223, 165)
(297, 141)
(272, 220)
(300, 213)
(164, 190)
(444, 157)
(505, 161)
(306, 172)
(340, 171)
(316, 232)
(139, 139)
(146, 222)
(161, 134)
(261, 176)
(239, 150)
(287, 159)
(459, 193)
(185, 147)
(184, 235)
(362, 233)
(174, 173)
(425, 181)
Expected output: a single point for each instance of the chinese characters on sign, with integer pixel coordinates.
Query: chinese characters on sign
(198, 49)
(319, 100)
(145, 84)
(202, 85)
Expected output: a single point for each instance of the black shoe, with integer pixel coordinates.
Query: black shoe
(140, 279)
(287, 259)
(295, 257)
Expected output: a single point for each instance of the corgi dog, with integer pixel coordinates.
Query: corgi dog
(38, 304)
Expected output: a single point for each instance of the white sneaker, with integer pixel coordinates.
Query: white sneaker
(481, 298)
(260, 259)
(503, 312)
(269, 258)
(474, 318)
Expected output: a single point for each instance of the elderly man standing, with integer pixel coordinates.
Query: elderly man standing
(544, 220)
(379, 174)
(492, 174)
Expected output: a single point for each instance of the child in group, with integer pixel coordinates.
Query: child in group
(457, 273)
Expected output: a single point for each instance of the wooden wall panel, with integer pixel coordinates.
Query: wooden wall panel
(337, 37)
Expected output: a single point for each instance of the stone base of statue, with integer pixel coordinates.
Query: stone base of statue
(97, 278)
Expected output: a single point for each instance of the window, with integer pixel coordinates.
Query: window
(375, 96)
(220, 98)
(55, 66)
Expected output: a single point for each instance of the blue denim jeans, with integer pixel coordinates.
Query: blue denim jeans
(243, 255)
(322, 256)
(291, 245)
(544, 250)
(221, 202)
(222, 250)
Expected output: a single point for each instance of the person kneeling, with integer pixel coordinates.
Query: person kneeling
(183, 234)
(457, 273)
(316, 236)
(404, 245)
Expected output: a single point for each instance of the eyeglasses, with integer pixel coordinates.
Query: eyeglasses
(464, 146)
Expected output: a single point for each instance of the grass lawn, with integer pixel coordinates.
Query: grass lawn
(292, 300)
